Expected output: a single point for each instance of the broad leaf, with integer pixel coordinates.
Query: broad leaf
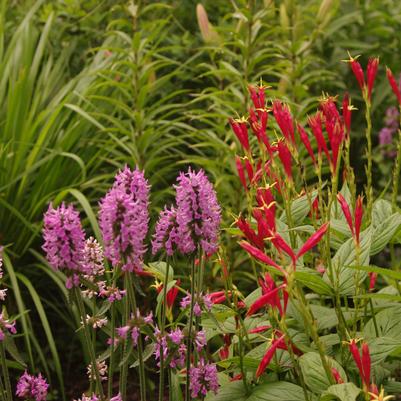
(314, 374)
(342, 392)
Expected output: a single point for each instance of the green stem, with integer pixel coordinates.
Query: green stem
(2, 391)
(396, 173)
(189, 340)
(132, 300)
(162, 328)
(111, 361)
(89, 345)
(311, 322)
(124, 368)
(5, 372)
(369, 193)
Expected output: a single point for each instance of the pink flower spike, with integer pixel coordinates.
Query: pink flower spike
(313, 240)
(346, 211)
(371, 72)
(268, 356)
(358, 217)
(259, 255)
(394, 85)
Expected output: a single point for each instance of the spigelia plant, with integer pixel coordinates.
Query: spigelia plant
(317, 326)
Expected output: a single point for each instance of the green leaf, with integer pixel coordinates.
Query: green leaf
(342, 392)
(314, 282)
(276, 391)
(300, 208)
(388, 322)
(383, 233)
(314, 374)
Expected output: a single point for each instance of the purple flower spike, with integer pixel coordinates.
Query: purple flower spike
(166, 232)
(64, 238)
(203, 378)
(198, 213)
(124, 219)
(31, 387)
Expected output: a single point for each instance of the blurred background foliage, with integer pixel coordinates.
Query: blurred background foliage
(87, 86)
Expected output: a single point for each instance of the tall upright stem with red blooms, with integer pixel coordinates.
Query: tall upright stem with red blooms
(367, 88)
(397, 166)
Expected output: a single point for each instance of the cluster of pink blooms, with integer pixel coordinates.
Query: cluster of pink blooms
(201, 300)
(6, 326)
(203, 378)
(194, 221)
(31, 387)
(64, 238)
(172, 345)
(132, 328)
(124, 219)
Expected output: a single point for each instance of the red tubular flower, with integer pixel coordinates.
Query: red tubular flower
(358, 217)
(236, 377)
(259, 329)
(268, 356)
(372, 280)
(258, 99)
(172, 294)
(358, 72)
(284, 120)
(254, 97)
(264, 196)
(241, 173)
(315, 208)
(394, 85)
(315, 122)
(249, 233)
(225, 349)
(279, 242)
(347, 113)
(270, 298)
(241, 131)
(357, 358)
(286, 158)
(313, 240)
(263, 226)
(305, 140)
(366, 364)
(337, 376)
(346, 211)
(371, 72)
(249, 169)
(259, 255)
